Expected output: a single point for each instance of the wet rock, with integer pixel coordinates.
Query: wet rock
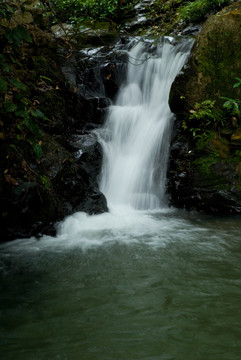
(141, 17)
(27, 210)
(88, 156)
(74, 174)
(191, 30)
(95, 203)
(95, 75)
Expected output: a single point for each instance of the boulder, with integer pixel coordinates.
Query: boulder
(213, 65)
(204, 170)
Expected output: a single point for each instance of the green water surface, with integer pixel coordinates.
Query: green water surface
(172, 294)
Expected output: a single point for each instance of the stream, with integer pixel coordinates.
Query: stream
(143, 281)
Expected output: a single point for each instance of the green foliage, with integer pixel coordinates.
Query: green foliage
(206, 118)
(19, 115)
(17, 35)
(238, 83)
(233, 105)
(38, 150)
(204, 163)
(6, 10)
(75, 11)
(168, 12)
(3, 84)
(182, 12)
(197, 11)
(45, 181)
(81, 9)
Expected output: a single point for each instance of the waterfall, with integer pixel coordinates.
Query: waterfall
(137, 132)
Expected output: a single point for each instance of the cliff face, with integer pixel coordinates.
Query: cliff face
(206, 153)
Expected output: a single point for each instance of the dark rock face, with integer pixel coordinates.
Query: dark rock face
(88, 157)
(205, 174)
(29, 209)
(69, 184)
(65, 179)
(195, 184)
(140, 17)
(95, 75)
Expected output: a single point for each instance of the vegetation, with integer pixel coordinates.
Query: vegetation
(175, 14)
(19, 113)
(233, 105)
(196, 11)
(205, 117)
(206, 123)
(77, 11)
(29, 82)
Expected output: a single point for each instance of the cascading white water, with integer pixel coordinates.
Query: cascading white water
(137, 132)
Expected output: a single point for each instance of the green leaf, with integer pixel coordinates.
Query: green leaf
(38, 151)
(18, 84)
(17, 35)
(9, 35)
(9, 9)
(22, 34)
(20, 137)
(22, 113)
(3, 84)
(10, 106)
(6, 11)
(2, 59)
(45, 181)
(3, 13)
(38, 113)
(31, 126)
(7, 68)
(45, 78)
(237, 84)
(12, 146)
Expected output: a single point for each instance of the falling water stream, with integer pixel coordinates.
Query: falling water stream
(142, 282)
(138, 128)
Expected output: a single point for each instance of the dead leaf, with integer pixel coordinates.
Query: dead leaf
(24, 165)
(108, 77)
(10, 180)
(36, 102)
(43, 87)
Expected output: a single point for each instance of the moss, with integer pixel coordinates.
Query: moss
(204, 163)
(39, 61)
(196, 11)
(219, 63)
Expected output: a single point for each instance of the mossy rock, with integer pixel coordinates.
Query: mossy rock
(206, 175)
(213, 65)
